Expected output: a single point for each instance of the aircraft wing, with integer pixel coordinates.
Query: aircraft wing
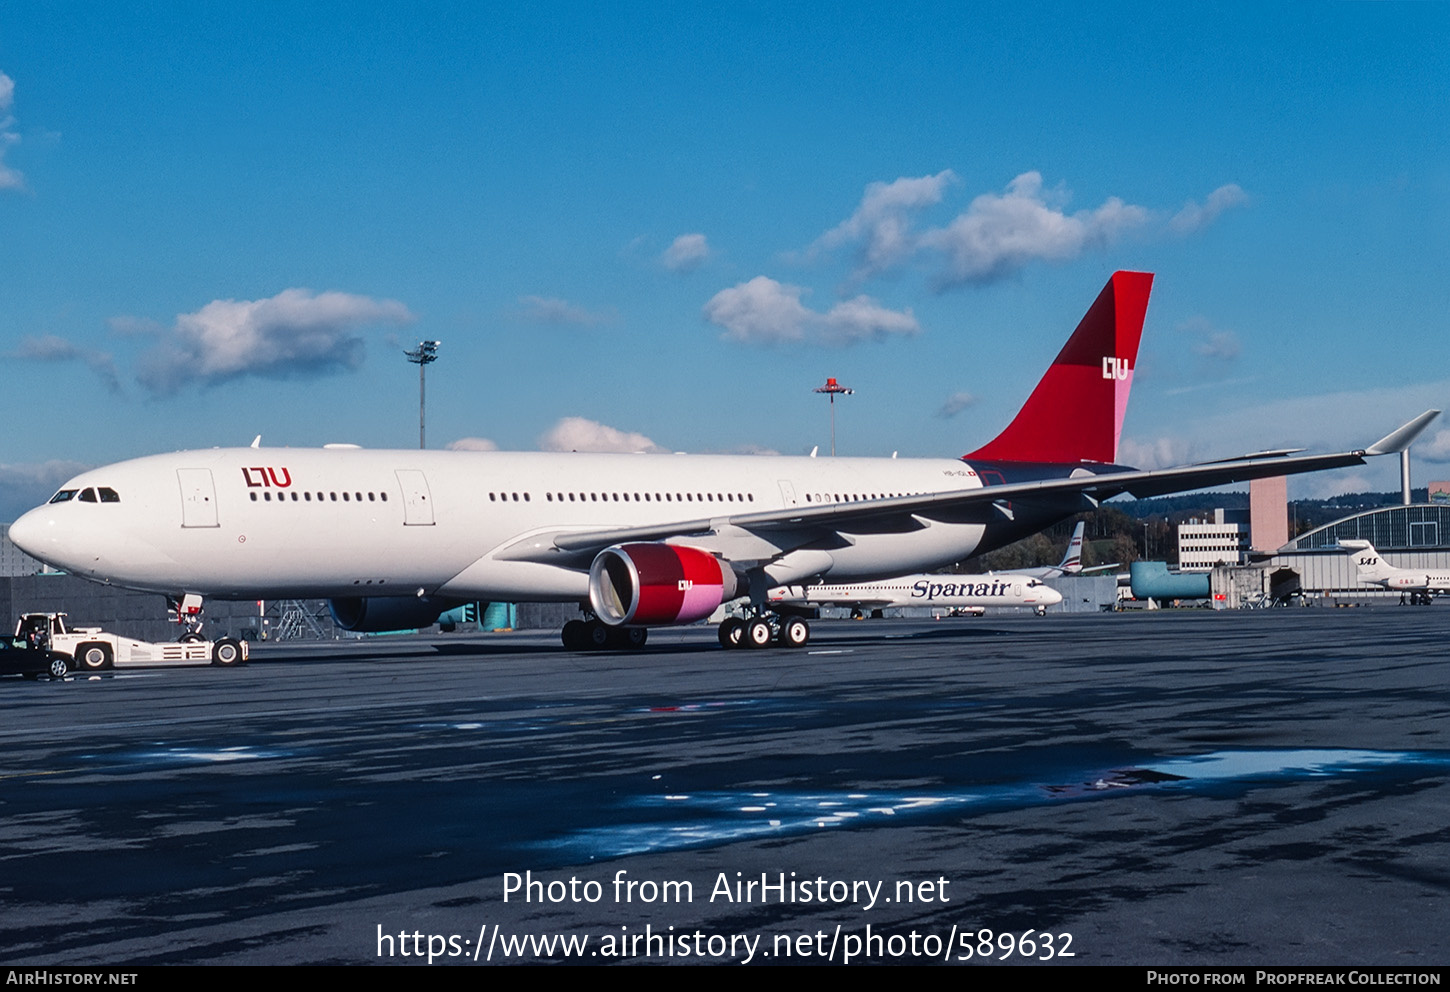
(959, 505)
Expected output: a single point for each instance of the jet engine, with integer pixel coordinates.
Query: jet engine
(375, 614)
(657, 584)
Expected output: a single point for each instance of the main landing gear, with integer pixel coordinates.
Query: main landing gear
(596, 635)
(763, 631)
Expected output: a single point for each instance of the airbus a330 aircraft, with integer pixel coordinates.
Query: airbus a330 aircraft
(393, 538)
(1421, 584)
(967, 593)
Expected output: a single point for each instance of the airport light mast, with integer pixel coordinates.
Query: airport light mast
(831, 388)
(421, 356)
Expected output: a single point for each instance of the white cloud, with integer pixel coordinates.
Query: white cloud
(997, 236)
(1210, 341)
(580, 434)
(763, 311)
(955, 404)
(1221, 345)
(1161, 452)
(1194, 217)
(471, 444)
(9, 178)
(881, 225)
(51, 348)
(552, 310)
(1433, 447)
(295, 333)
(1324, 485)
(686, 253)
(24, 487)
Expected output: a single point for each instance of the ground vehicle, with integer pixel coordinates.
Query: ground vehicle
(19, 657)
(91, 649)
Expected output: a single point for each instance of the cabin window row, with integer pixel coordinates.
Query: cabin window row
(649, 497)
(328, 497)
(851, 497)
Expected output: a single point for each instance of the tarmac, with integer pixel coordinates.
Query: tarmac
(1178, 787)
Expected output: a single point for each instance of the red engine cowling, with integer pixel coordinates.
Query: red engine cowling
(657, 584)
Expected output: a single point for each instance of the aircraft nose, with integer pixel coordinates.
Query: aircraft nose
(1050, 596)
(28, 532)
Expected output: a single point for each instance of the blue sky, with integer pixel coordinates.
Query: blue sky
(660, 225)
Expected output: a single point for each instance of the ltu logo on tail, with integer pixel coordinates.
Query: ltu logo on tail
(1116, 368)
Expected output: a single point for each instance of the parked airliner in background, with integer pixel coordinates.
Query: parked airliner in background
(393, 538)
(1421, 584)
(957, 593)
(1071, 563)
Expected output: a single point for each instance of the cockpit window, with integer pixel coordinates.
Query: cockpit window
(64, 496)
(88, 496)
(108, 495)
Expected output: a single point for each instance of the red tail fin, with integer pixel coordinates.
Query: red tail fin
(1076, 412)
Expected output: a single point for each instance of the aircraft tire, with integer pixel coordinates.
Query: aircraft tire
(634, 637)
(190, 637)
(93, 657)
(794, 632)
(573, 636)
(757, 634)
(731, 631)
(226, 652)
(596, 636)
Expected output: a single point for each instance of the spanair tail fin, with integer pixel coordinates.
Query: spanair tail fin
(1072, 557)
(1076, 412)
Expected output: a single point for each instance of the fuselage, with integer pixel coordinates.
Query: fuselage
(346, 521)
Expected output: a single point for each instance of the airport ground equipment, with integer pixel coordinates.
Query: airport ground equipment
(90, 649)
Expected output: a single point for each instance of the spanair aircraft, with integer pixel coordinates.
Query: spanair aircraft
(966, 593)
(1071, 563)
(1421, 584)
(393, 538)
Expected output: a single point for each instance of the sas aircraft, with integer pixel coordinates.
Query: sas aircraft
(394, 538)
(1421, 584)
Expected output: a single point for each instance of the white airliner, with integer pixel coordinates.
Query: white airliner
(1421, 584)
(1071, 563)
(966, 593)
(393, 538)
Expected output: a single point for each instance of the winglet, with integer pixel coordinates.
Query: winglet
(1399, 440)
(1076, 412)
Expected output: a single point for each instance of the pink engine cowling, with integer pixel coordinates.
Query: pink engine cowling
(657, 584)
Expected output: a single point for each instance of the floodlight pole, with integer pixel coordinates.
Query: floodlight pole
(426, 352)
(831, 388)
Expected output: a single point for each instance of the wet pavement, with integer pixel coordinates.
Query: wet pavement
(1249, 788)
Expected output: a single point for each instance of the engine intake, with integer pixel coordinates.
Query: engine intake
(377, 614)
(657, 584)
